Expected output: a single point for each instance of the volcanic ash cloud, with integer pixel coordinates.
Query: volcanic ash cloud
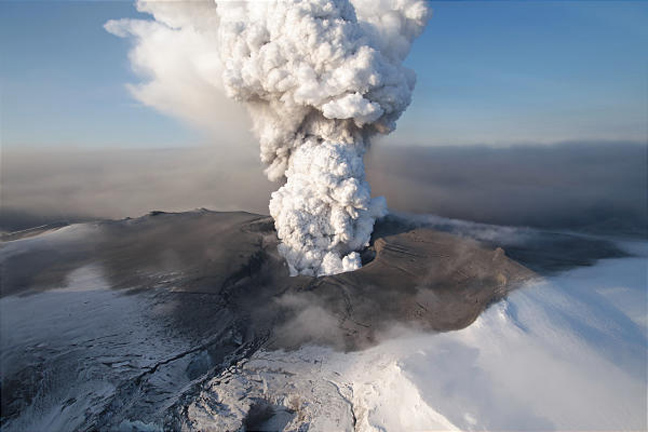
(319, 79)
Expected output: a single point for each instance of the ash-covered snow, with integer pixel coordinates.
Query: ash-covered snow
(81, 355)
(67, 351)
(563, 353)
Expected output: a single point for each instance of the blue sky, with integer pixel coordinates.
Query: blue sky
(488, 72)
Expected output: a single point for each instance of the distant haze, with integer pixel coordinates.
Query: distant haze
(572, 185)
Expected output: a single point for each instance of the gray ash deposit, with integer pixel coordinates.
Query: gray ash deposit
(119, 324)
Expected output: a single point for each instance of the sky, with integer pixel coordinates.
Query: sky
(499, 73)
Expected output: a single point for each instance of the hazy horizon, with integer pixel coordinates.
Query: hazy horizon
(567, 185)
(87, 132)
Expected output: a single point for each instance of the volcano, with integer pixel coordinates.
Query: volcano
(155, 305)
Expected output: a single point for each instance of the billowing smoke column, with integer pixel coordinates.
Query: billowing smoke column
(319, 78)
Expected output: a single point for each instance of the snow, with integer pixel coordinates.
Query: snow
(73, 346)
(563, 353)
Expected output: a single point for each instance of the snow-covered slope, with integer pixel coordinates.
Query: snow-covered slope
(563, 353)
(82, 351)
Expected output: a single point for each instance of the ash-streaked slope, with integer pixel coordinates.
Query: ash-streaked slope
(568, 353)
(111, 323)
(440, 281)
(147, 323)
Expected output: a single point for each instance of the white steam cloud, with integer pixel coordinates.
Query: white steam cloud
(319, 79)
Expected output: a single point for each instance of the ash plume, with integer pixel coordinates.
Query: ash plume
(319, 79)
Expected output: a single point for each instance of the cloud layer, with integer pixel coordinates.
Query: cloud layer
(578, 185)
